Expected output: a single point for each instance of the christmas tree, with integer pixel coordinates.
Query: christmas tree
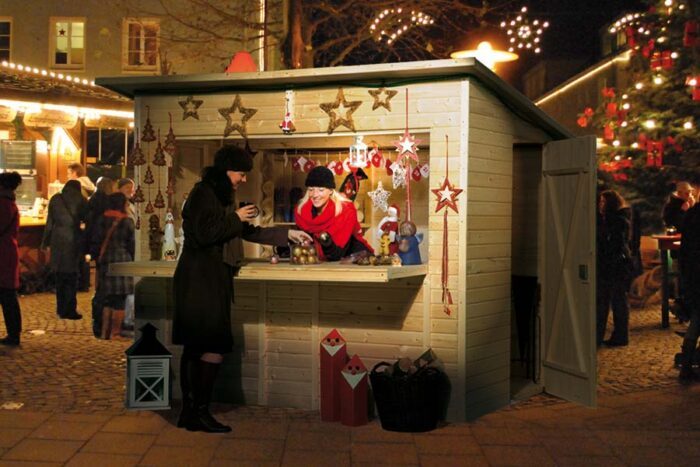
(650, 129)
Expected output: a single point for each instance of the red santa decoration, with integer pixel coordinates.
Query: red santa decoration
(353, 393)
(390, 225)
(334, 354)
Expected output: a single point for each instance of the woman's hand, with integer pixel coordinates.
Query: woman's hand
(247, 212)
(298, 236)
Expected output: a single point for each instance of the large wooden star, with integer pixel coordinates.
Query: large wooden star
(340, 112)
(189, 107)
(232, 126)
(407, 146)
(385, 102)
(446, 196)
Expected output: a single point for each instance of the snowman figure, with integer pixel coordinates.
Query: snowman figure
(169, 247)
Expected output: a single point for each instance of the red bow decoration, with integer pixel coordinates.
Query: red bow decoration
(690, 34)
(655, 61)
(621, 116)
(582, 122)
(655, 153)
(608, 92)
(611, 109)
(608, 133)
(666, 60)
(647, 49)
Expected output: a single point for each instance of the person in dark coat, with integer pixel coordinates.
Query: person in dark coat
(614, 267)
(203, 282)
(97, 205)
(63, 234)
(9, 257)
(118, 244)
(689, 259)
(677, 205)
(330, 217)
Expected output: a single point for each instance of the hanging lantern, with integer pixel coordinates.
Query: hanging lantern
(358, 153)
(148, 372)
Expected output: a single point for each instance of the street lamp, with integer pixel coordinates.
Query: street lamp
(486, 54)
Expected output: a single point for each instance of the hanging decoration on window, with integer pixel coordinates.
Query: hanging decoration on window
(379, 197)
(159, 155)
(136, 157)
(340, 112)
(287, 125)
(189, 107)
(148, 178)
(398, 175)
(237, 108)
(149, 208)
(446, 198)
(407, 145)
(148, 133)
(169, 144)
(159, 202)
(382, 98)
(138, 195)
(375, 155)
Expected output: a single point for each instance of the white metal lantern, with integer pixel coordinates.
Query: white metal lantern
(148, 372)
(358, 153)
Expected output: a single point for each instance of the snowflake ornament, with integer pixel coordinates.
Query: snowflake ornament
(380, 197)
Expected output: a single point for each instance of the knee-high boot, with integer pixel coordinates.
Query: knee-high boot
(687, 375)
(186, 370)
(201, 419)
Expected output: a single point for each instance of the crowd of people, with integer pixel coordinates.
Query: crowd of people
(617, 255)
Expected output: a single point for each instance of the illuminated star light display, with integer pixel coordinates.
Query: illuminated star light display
(390, 24)
(523, 34)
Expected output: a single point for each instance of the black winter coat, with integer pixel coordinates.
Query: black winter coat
(673, 212)
(612, 246)
(690, 256)
(62, 233)
(203, 283)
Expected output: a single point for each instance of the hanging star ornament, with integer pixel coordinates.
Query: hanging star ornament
(232, 126)
(407, 146)
(189, 107)
(340, 112)
(380, 101)
(380, 197)
(446, 196)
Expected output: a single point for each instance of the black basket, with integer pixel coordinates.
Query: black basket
(409, 403)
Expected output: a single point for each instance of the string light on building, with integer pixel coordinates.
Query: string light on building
(524, 34)
(37, 71)
(391, 23)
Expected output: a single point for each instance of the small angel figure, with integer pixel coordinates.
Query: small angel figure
(408, 241)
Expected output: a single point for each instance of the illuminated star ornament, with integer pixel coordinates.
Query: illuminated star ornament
(340, 112)
(189, 107)
(523, 34)
(384, 101)
(232, 126)
(446, 198)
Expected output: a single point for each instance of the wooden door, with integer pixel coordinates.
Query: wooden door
(569, 367)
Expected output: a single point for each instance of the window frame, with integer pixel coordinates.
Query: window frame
(8, 19)
(52, 43)
(143, 68)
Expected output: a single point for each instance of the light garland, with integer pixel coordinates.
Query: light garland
(81, 112)
(524, 34)
(42, 72)
(390, 24)
(633, 20)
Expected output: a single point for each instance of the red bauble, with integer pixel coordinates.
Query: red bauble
(582, 122)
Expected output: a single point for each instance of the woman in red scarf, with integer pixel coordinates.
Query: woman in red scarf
(323, 209)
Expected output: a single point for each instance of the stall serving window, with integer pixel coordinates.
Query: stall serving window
(140, 44)
(108, 145)
(5, 38)
(67, 43)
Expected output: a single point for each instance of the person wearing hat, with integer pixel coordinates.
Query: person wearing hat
(323, 210)
(203, 282)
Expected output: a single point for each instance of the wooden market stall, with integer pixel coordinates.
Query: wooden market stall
(526, 210)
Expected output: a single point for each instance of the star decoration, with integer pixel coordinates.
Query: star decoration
(380, 197)
(340, 112)
(407, 146)
(446, 196)
(378, 102)
(237, 108)
(189, 107)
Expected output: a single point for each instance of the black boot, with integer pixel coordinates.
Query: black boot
(687, 375)
(203, 383)
(186, 377)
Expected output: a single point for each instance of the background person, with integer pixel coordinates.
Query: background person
(689, 259)
(203, 283)
(323, 209)
(76, 171)
(614, 267)
(128, 188)
(97, 205)
(63, 235)
(9, 257)
(678, 204)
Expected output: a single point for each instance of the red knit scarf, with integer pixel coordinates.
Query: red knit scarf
(116, 214)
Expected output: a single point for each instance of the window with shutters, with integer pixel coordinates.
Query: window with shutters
(140, 44)
(67, 43)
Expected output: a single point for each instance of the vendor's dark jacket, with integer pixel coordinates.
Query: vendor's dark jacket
(62, 233)
(203, 284)
(612, 245)
(690, 257)
(673, 213)
(9, 229)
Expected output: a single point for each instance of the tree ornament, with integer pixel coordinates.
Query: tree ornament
(149, 208)
(398, 175)
(415, 173)
(310, 164)
(358, 153)
(425, 170)
(189, 107)
(138, 222)
(287, 125)
(407, 145)
(301, 163)
(240, 126)
(148, 178)
(138, 195)
(169, 144)
(375, 156)
(136, 157)
(159, 202)
(148, 133)
(159, 156)
(379, 197)
(296, 166)
(388, 165)
(340, 112)
(382, 98)
(446, 198)
(339, 169)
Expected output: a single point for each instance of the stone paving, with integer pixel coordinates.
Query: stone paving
(61, 403)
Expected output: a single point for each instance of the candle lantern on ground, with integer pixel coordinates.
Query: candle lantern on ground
(148, 372)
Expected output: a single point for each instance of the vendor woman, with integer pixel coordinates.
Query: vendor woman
(324, 210)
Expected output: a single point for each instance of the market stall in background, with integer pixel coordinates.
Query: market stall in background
(485, 177)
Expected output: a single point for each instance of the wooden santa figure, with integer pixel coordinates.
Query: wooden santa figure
(334, 354)
(353, 393)
(390, 225)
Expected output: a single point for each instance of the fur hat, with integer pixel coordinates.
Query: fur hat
(233, 158)
(321, 176)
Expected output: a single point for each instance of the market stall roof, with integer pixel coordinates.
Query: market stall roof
(30, 85)
(385, 74)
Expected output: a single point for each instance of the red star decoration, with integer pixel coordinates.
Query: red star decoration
(446, 196)
(407, 146)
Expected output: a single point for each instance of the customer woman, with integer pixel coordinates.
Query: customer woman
(324, 210)
(203, 284)
(9, 257)
(117, 247)
(614, 266)
(64, 232)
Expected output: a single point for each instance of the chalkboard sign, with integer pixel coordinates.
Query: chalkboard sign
(17, 154)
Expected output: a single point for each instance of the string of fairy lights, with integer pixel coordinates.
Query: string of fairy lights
(391, 23)
(524, 34)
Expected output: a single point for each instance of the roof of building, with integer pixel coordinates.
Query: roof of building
(385, 74)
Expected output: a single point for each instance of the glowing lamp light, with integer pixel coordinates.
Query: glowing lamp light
(658, 80)
(650, 124)
(635, 145)
(638, 86)
(617, 158)
(242, 62)
(358, 153)
(486, 54)
(688, 125)
(616, 143)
